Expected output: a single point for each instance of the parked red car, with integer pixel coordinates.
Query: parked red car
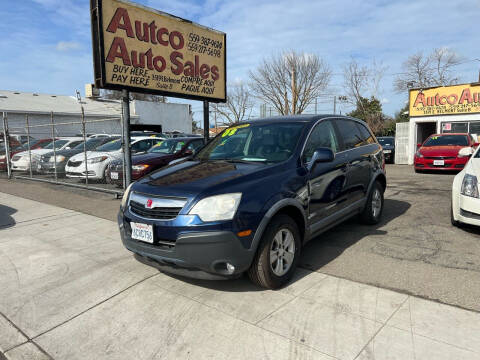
(440, 152)
(155, 158)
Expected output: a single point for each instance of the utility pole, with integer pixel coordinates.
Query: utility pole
(334, 105)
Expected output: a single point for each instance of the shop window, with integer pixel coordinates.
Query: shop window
(454, 127)
(475, 128)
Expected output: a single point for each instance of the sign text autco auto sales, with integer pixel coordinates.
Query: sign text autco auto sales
(445, 100)
(144, 50)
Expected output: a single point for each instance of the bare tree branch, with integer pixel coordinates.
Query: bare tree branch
(237, 106)
(290, 81)
(422, 71)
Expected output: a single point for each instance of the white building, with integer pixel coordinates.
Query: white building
(101, 116)
(437, 110)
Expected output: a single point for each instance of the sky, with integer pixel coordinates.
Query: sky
(46, 44)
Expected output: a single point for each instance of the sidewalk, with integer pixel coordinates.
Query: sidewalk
(69, 290)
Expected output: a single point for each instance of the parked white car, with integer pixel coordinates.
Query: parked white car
(21, 161)
(465, 195)
(97, 161)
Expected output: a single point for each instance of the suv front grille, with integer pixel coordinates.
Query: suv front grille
(74, 163)
(440, 157)
(161, 213)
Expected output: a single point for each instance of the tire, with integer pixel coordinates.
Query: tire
(273, 274)
(373, 210)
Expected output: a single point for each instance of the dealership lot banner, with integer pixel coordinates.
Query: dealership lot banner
(457, 99)
(145, 50)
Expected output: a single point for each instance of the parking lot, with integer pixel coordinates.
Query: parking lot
(71, 291)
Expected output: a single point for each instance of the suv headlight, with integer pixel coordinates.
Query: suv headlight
(418, 154)
(125, 196)
(58, 158)
(140, 167)
(218, 207)
(97, 159)
(469, 186)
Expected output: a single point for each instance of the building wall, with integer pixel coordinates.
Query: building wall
(438, 119)
(170, 116)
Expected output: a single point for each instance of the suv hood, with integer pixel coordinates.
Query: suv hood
(447, 150)
(190, 178)
(149, 158)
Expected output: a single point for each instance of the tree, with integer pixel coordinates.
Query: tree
(435, 69)
(370, 111)
(290, 81)
(238, 105)
(362, 82)
(402, 115)
(117, 95)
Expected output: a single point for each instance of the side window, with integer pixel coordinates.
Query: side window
(366, 134)
(142, 145)
(197, 144)
(323, 135)
(350, 133)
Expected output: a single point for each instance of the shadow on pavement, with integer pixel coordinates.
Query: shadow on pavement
(316, 253)
(6, 220)
(328, 246)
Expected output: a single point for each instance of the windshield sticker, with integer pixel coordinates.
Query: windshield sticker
(231, 131)
(434, 137)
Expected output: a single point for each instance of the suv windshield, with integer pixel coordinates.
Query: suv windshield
(255, 143)
(91, 144)
(111, 146)
(58, 144)
(167, 147)
(386, 140)
(445, 140)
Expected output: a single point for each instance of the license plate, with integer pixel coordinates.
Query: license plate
(387, 151)
(438, 162)
(142, 232)
(114, 175)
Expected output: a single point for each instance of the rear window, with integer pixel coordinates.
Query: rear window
(446, 140)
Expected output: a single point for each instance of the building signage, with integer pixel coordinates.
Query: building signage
(457, 99)
(144, 50)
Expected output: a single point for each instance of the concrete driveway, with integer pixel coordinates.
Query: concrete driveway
(69, 290)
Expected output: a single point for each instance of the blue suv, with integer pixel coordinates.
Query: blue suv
(253, 196)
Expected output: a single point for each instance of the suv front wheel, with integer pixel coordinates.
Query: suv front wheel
(373, 209)
(277, 255)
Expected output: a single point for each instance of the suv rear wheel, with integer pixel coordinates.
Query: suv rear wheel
(373, 209)
(278, 253)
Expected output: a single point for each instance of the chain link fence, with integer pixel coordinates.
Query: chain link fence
(73, 150)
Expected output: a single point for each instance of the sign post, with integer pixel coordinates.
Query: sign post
(206, 121)
(127, 156)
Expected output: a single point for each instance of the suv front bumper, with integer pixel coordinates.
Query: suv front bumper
(196, 254)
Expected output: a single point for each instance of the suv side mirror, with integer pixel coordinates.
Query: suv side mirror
(321, 155)
(188, 152)
(476, 144)
(419, 146)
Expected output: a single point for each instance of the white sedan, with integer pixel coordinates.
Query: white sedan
(97, 161)
(21, 161)
(465, 195)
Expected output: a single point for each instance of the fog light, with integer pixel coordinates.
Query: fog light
(230, 268)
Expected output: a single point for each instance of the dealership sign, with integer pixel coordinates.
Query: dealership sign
(144, 50)
(457, 99)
